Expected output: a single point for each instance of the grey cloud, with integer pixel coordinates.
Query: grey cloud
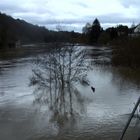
(37, 20)
(43, 15)
(113, 18)
(19, 7)
(65, 21)
(9, 8)
(117, 18)
(65, 27)
(110, 19)
(72, 14)
(84, 5)
(128, 3)
(106, 21)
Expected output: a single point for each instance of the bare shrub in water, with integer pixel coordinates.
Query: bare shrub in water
(56, 76)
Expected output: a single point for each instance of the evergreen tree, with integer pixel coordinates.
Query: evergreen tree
(95, 31)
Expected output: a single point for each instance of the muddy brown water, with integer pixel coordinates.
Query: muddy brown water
(103, 118)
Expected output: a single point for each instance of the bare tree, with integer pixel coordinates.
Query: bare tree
(56, 76)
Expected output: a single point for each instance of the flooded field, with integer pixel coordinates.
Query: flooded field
(102, 116)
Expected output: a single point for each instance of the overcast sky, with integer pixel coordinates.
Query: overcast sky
(73, 14)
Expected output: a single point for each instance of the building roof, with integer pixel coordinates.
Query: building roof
(137, 29)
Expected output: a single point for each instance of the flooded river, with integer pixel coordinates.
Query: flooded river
(102, 117)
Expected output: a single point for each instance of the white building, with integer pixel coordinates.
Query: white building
(137, 29)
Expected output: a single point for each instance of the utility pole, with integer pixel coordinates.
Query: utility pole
(130, 118)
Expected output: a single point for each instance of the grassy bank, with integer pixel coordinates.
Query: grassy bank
(126, 52)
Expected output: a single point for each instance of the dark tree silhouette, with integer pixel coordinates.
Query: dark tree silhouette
(112, 32)
(95, 31)
(3, 37)
(122, 30)
(92, 31)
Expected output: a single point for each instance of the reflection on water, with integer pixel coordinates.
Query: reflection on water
(105, 112)
(127, 77)
(56, 77)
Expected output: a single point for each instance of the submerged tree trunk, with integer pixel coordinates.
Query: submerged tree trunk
(70, 96)
(50, 84)
(69, 79)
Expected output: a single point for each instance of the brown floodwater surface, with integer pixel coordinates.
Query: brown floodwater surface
(102, 117)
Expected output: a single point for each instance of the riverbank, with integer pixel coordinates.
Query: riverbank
(25, 50)
(126, 52)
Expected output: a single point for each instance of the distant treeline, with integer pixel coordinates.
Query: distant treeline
(94, 33)
(124, 41)
(12, 30)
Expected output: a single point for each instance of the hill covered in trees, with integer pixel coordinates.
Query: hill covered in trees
(12, 30)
